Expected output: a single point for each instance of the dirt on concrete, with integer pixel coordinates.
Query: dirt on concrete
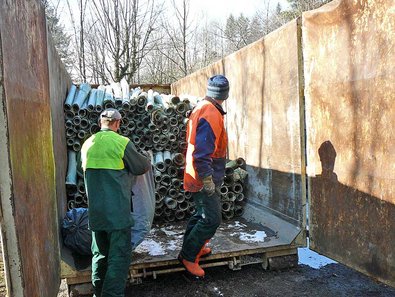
(334, 280)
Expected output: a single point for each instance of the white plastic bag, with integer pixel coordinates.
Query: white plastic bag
(143, 206)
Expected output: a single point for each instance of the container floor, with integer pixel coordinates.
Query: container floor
(164, 242)
(256, 232)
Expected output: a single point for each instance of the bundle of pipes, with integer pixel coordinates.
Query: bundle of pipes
(172, 202)
(231, 191)
(153, 122)
(75, 187)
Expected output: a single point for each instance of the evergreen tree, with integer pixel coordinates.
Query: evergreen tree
(278, 8)
(299, 6)
(237, 33)
(256, 29)
(60, 38)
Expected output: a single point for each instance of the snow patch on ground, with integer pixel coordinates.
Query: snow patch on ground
(151, 247)
(168, 232)
(218, 292)
(312, 259)
(258, 236)
(246, 235)
(237, 225)
(174, 245)
(154, 247)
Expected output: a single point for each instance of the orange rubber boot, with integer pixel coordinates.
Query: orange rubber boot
(193, 268)
(205, 251)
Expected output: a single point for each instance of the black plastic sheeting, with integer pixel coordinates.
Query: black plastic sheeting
(75, 231)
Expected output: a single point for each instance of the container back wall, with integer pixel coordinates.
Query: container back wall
(348, 72)
(264, 118)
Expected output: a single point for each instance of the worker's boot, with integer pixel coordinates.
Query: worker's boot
(205, 251)
(192, 267)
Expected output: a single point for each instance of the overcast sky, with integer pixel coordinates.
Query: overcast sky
(221, 9)
(212, 9)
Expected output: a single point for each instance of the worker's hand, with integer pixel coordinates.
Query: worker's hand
(208, 185)
(146, 154)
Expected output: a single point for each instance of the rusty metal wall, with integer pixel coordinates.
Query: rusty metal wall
(349, 54)
(264, 117)
(59, 84)
(26, 98)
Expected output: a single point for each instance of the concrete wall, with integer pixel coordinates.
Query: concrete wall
(349, 53)
(264, 117)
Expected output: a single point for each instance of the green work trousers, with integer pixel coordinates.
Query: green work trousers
(112, 252)
(202, 225)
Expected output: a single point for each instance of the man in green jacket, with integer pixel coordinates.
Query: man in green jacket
(110, 161)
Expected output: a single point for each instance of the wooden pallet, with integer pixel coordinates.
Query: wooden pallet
(158, 253)
(268, 258)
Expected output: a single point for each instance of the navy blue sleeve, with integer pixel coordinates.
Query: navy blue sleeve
(204, 147)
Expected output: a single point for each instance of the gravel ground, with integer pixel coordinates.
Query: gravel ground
(315, 275)
(333, 280)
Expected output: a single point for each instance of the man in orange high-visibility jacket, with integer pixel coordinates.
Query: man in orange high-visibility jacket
(204, 171)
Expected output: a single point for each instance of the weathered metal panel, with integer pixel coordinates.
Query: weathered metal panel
(349, 53)
(59, 84)
(30, 148)
(265, 117)
(10, 250)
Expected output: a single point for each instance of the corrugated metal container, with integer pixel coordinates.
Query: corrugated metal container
(310, 110)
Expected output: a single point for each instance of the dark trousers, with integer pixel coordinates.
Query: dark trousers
(111, 259)
(202, 225)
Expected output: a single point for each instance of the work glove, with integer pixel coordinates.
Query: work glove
(146, 154)
(208, 185)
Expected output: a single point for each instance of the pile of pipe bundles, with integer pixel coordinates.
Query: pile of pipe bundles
(155, 123)
(151, 121)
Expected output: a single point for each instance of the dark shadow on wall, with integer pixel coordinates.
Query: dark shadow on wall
(351, 226)
(327, 155)
(279, 192)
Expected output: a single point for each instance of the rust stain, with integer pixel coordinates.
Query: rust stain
(26, 82)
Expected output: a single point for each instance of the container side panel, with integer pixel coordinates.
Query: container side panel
(11, 255)
(27, 104)
(59, 84)
(263, 120)
(350, 110)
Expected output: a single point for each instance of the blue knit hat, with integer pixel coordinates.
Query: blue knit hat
(218, 87)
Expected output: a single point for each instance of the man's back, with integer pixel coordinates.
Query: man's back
(110, 161)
